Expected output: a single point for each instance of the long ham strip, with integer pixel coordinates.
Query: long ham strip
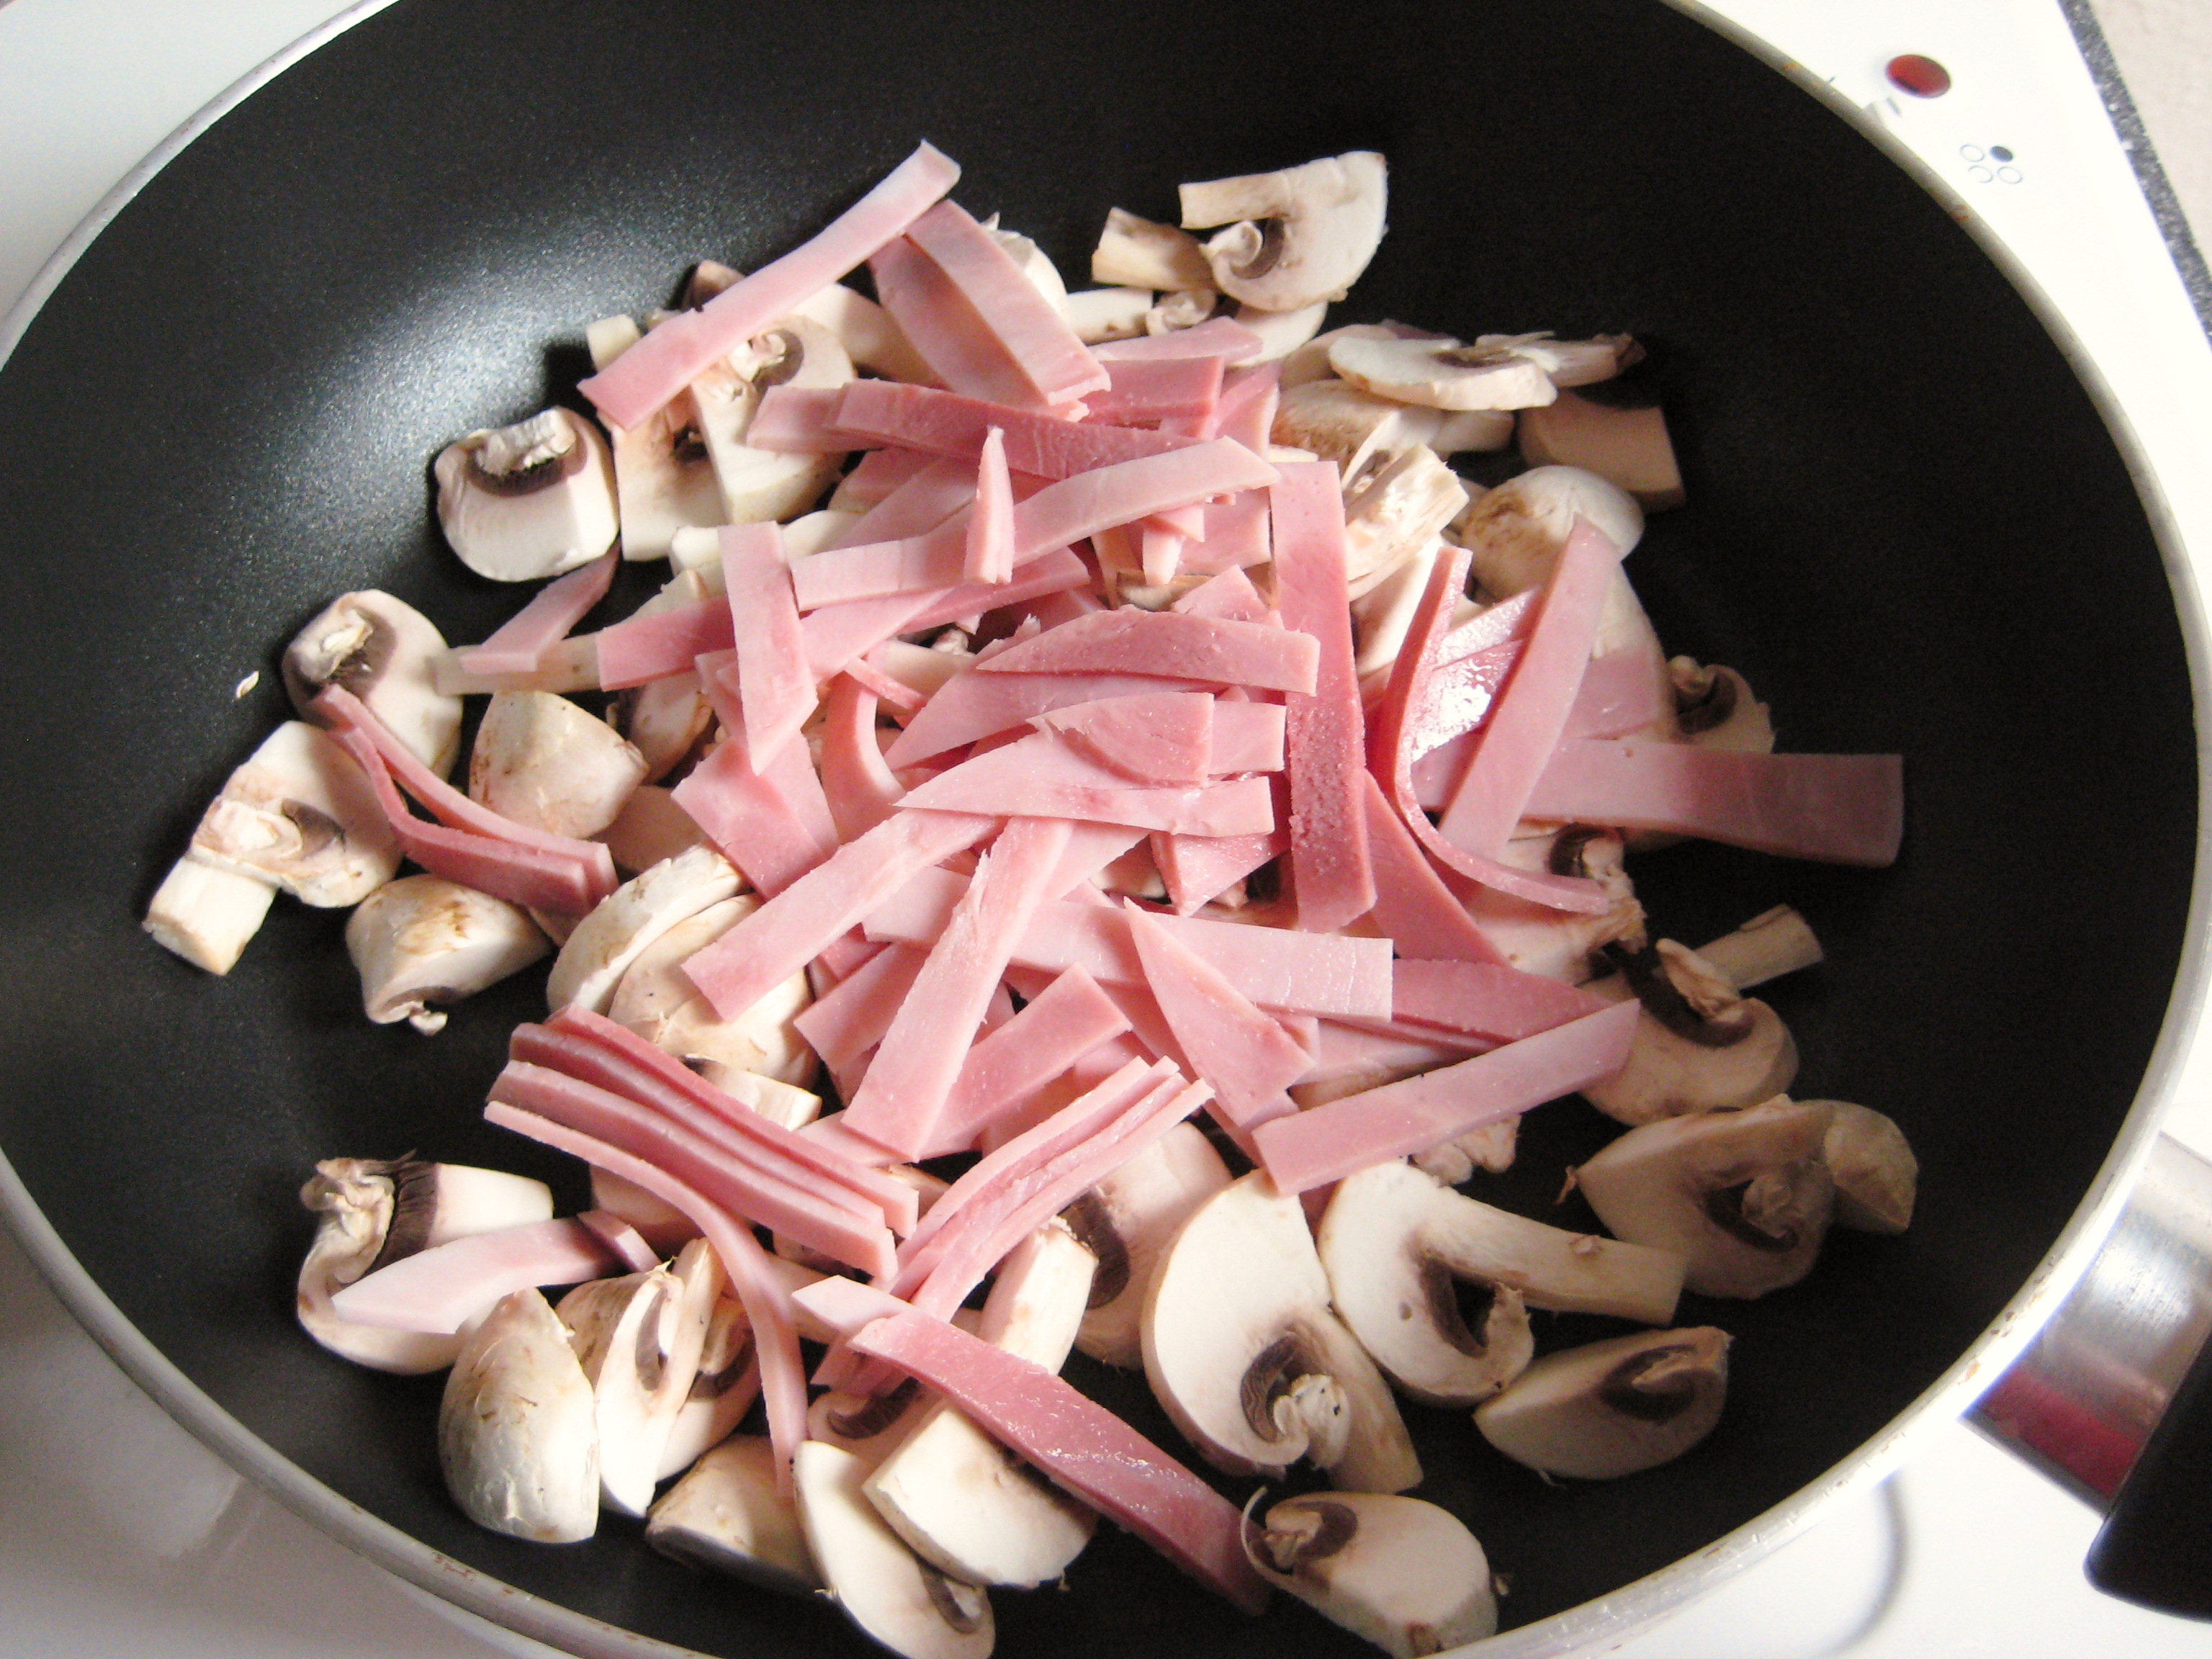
(672, 356)
(1325, 739)
(1080, 1446)
(747, 818)
(860, 789)
(642, 648)
(843, 1024)
(1483, 1000)
(435, 1291)
(794, 926)
(1412, 906)
(955, 340)
(1041, 777)
(990, 537)
(519, 645)
(1400, 1119)
(901, 1098)
(767, 1305)
(969, 705)
(1053, 1030)
(774, 680)
(1840, 809)
(1531, 711)
(947, 425)
(1161, 738)
(836, 634)
(1198, 869)
(1167, 642)
(1230, 1043)
(1217, 337)
(1056, 365)
(1148, 390)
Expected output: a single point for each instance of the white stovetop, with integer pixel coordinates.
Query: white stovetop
(122, 1534)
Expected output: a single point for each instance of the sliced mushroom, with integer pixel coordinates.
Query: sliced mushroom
(723, 1388)
(546, 762)
(656, 999)
(208, 914)
(530, 500)
(1875, 1173)
(1559, 943)
(1174, 313)
(298, 812)
(882, 1586)
(1401, 1250)
(1400, 1572)
(1772, 944)
(665, 720)
(385, 653)
(1309, 363)
(1627, 445)
(422, 943)
(727, 1516)
(1281, 332)
(1338, 421)
(1243, 1352)
(663, 480)
(1134, 252)
(1127, 1221)
(515, 1435)
(1033, 262)
(962, 1502)
(1444, 374)
(1303, 234)
(1615, 1408)
(1396, 514)
(1490, 1147)
(759, 484)
(607, 338)
(867, 332)
(1699, 1045)
(1714, 708)
(1745, 1195)
(624, 925)
(369, 1212)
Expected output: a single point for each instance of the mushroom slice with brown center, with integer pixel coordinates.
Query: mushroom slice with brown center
(1714, 708)
(385, 653)
(1127, 1221)
(515, 1434)
(727, 1516)
(545, 761)
(1614, 1408)
(1744, 1194)
(1400, 1250)
(624, 925)
(1559, 943)
(1400, 1572)
(530, 500)
(1445, 373)
(369, 1212)
(1303, 234)
(723, 1388)
(759, 484)
(657, 1000)
(663, 481)
(1875, 1172)
(298, 812)
(422, 943)
(1699, 1045)
(1241, 1350)
(880, 1584)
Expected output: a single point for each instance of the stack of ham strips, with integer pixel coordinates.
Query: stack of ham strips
(1016, 871)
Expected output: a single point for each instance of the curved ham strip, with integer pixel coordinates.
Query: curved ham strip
(766, 1302)
(1081, 1447)
(970, 706)
(437, 1290)
(860, 787)
(519, 645)
(1171, 643)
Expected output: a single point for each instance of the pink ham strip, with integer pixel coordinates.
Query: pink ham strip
(1412, 906)
(1483, 1000)
(990, 540)
(969, 705)
(844, 1024)
(945, 423)
(955, 340)
(1200, 868)
(1400, 1119)
(836, 634)
(1160, 553)
(768, 1308)
(1342, 1051)
(1247, 410)
(1054, 1029)
(1161, 738)
(1249, 737)
(1051, 571)
(1622, 691)
(933, 493)
(519, 644)
(860, 788)
(1228, 1042)
(1325, 739)
(1507, 620)
(1455, 1045)
(1041, 777)
(1532, 706)
(904, 697)
(775, 941)
(1326, 974)
(773, 679)
(879, 476)
(640, 649)
(1238, 535)
(1057, 366)
(1217, 337)
(798, 420)
(1080, 1446)
(691, 1158)
(747, 818)
(1840, 809)
(437, 1290)
(1392, 756)
(1092, 849)
(1229, 595)
(1145, 390)
(901, 1099)
(1166, 642)
(672, 356)
(876, 570)
(894, 1198)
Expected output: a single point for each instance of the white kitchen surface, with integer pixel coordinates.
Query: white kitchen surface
(122, 1534)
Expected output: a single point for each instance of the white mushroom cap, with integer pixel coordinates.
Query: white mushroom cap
(663, 482)
(547, 762)
(1745, 1195)
(1306, 232)
(657, 1000)
(869, 335)
(1615, 1408)
(622, 926)
(1126, 1222)
(530, 500)
(1281, 332)
(1558, 944)
(1400, 1572)
(1875, 1173)
(1397, 1244)
(385, 653)
(1243, 1352)
(422, 943)
(881, 1585)
(299, 812)
(722, 1390)
(727, 1516)
(1107, 314)
(515, 1434)
(1444, 374)
(1698, 1046)
(759, 484)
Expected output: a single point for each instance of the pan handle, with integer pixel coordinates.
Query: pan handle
(2113, 1399)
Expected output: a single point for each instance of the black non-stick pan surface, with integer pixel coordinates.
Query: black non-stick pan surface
(1908, 526)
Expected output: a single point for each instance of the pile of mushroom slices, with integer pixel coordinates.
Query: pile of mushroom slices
(1149, 724)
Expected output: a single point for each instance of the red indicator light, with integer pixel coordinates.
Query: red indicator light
(1924, 77)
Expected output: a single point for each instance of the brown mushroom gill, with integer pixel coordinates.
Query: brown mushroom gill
(1631, 1389)
(1316, 1530)
(1710, 1017)
(1273, 1375)
(1094, 1228)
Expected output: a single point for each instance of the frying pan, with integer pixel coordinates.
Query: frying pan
(1909, 527)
